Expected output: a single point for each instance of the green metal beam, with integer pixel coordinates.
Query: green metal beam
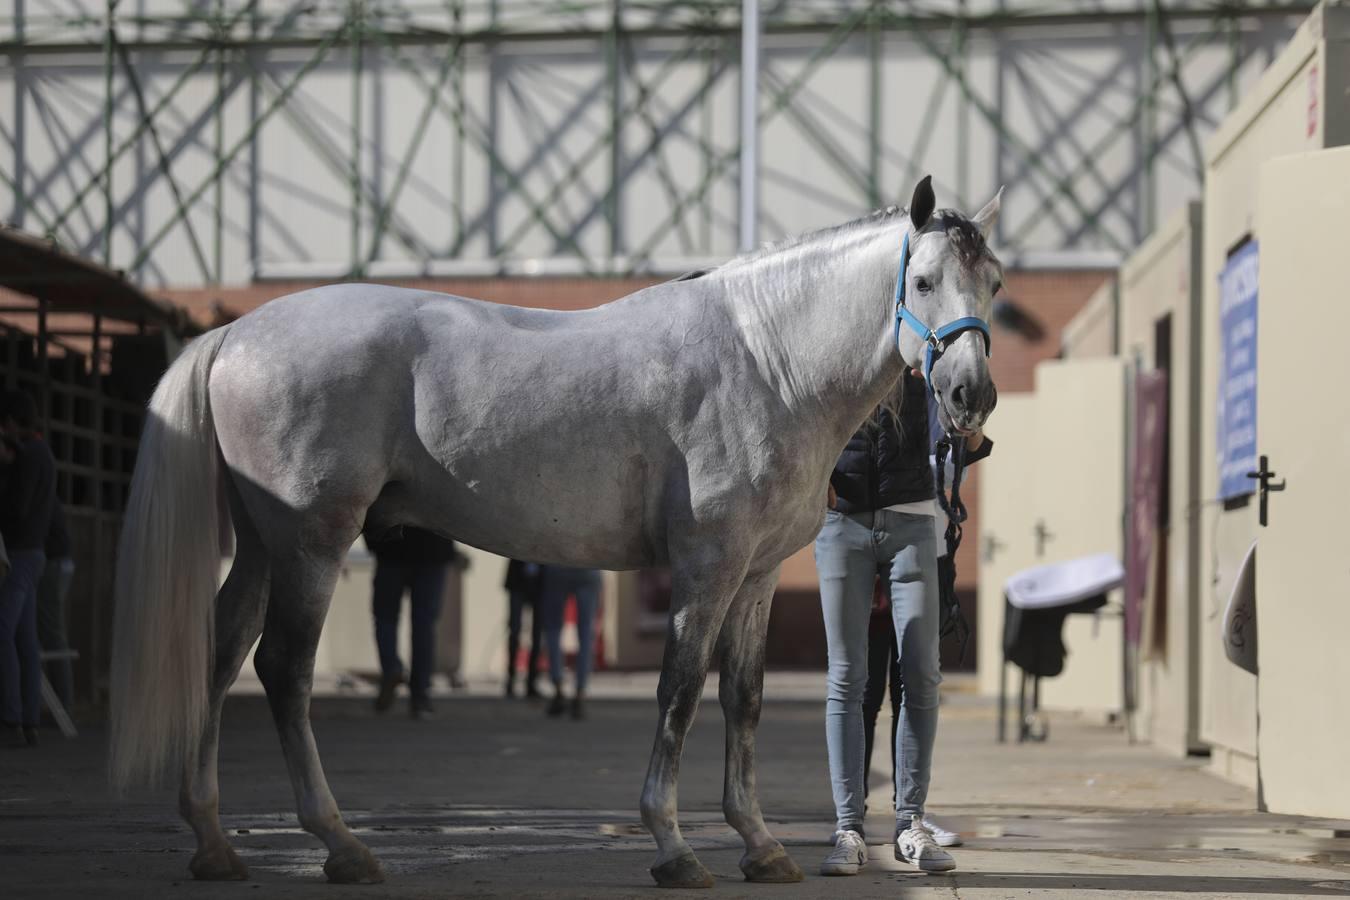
(850, 170)
(326, 153)
(781, 99)
(419, 132)
(163, 161)
(113, 155)
(664, 174)
(484, 145)
(923, 135)
(542, 23)
(573, 172)
(995, 122)
(1188, 109)
(1115, 131)
(224, 162)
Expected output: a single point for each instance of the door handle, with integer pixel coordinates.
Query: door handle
(1265, 476)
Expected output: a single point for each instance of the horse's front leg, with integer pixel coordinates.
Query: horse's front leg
(700, 595)
(741, 690)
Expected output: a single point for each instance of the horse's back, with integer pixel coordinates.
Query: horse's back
(500, 426)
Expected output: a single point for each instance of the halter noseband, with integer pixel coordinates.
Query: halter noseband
(936, 340)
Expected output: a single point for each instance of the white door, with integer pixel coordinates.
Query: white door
(1078, 503)
(1303, 427)
(1005, 520)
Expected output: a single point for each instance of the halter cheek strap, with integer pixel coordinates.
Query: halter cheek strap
(936, 340)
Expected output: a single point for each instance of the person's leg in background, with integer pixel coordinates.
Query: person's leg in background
(513, 622)
(587, 592)
(386, 598)
(20, 653)
(53, 589)
(553, 599)
(428, 588)
(536, 643)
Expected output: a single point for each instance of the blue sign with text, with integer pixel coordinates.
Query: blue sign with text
(1237, 372)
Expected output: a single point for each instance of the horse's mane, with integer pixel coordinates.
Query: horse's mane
(967, 241)
(822, 234)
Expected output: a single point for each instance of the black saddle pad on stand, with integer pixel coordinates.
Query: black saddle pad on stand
(1034, 638)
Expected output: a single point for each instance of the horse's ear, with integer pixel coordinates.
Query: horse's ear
(922, 204)
(986, 218)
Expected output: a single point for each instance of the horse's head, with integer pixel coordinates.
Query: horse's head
(949, 282)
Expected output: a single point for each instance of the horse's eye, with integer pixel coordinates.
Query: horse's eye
(922, 285)
(998, 286)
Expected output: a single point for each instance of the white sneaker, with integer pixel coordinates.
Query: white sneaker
(848, 856)
(916, 846)
(943, 837)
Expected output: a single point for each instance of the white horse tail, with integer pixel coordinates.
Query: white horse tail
(168, 563)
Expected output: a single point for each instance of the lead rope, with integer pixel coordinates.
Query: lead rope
(953, 619)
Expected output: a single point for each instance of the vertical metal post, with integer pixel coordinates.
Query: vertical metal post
(1148, 120)
(219, 248)
(457, 174)
(496, 184)
(20, 101)
(749, 218)
(874, 112)
(1001, 92)
(710, 54)
(255, 64)
(612, 205)
(356, 24)
(963, 114)
(108, 38)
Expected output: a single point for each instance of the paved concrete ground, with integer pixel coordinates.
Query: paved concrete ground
(492, 799)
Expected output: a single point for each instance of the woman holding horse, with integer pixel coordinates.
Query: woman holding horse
(883, 512)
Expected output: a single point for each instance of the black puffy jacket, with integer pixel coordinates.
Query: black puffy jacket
(886, 462)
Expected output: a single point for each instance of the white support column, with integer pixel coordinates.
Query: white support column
(750, 31)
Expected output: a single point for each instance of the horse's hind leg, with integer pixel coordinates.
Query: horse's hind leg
(240, 606)
(302, 586)
(741, 690)
(699, 603)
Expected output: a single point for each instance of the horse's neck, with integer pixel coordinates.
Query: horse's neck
(818, 321)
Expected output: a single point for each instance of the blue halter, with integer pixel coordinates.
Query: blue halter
(935, 339)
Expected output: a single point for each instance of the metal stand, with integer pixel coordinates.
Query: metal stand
(53, 702)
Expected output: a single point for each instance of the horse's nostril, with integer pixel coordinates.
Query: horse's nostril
(959, 395)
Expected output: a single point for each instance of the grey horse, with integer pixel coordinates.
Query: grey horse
(692, 424)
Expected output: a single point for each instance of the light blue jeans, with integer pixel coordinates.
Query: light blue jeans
(848, 551)
(584, 584)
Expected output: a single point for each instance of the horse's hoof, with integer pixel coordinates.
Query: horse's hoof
(218, 863)
(682, 872)
(771, 866)
(353, 865)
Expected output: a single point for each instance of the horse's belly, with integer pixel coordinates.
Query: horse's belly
(540, 510)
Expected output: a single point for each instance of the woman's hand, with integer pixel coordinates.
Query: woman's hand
(974, 440)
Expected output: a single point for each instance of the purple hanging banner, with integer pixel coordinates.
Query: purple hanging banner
(1146, 469)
